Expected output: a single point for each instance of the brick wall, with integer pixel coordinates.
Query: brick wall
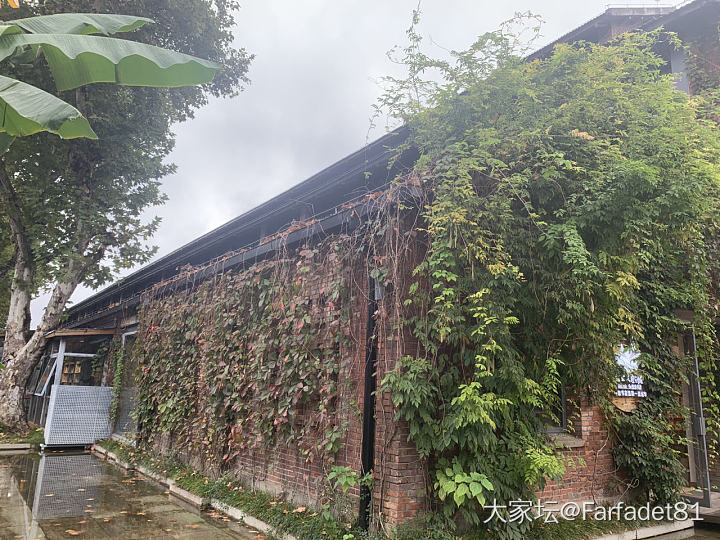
(591, 473)
(283, 469)
(400, 476)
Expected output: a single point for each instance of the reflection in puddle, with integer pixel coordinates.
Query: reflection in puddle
(66, 495)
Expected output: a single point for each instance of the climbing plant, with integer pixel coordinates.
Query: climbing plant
(569, 206)
(116, 356)
(248, 359)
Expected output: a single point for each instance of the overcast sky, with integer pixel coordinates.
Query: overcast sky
(313, 83)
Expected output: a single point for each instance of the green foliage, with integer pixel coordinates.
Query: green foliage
(569, 205)
(31, 436)
(453, 481)
(345, 478)
(250, 359)
(647, 450)
(307, 524)
(115, 360)
(77, 59)
(342, 505)
(83, 202)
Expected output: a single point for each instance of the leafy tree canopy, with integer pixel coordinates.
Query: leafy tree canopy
(75, 208)
(83, 199)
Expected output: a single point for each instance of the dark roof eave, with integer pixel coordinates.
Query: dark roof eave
(353, 164)
(346, 219)
(604, 18)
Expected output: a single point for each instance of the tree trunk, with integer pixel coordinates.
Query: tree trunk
(19, 363)
(13, 380)
(17, 369)
(16, 372)
(20, 354)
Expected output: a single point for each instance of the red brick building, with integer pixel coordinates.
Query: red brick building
(337, 199)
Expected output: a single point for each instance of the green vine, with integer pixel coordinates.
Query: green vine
(249, 360)
(117, 356)
(558, 208)
(568, 206)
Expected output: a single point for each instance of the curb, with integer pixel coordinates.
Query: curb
(13, 447)
(190, 498)
(682, 527)
(97, 449)
(152, 475)
(250, 521)
(111, 457)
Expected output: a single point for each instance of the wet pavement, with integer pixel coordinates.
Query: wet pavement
(706, 532)
(60, 496)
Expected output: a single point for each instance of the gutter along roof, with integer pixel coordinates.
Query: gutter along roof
(358, 174)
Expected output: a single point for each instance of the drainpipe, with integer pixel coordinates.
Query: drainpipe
(699, 429)
(367, 451)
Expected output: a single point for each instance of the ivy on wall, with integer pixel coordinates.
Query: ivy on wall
(570, 206)
(249, 359)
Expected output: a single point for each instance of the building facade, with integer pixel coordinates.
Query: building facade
(76, 372)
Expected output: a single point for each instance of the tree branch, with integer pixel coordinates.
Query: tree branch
(9, 197)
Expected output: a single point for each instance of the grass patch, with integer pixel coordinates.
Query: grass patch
(32, 436)
(309, 524)
(302, 522)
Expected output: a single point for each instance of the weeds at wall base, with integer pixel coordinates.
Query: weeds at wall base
(310, 524)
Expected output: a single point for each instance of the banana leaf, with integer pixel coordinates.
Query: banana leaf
(77, 60)
(26, 109)
(79, 23)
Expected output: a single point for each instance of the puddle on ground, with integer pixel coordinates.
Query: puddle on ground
(60, 496)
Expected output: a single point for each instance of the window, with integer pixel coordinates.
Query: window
(77, 371)
(558, 417)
